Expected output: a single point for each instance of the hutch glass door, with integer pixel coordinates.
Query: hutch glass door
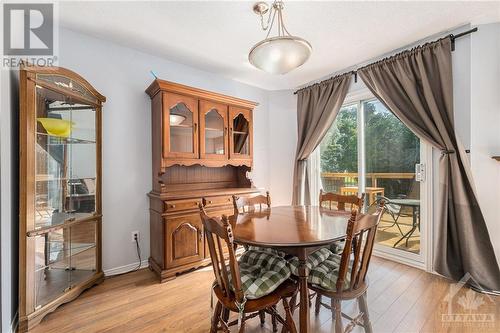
(240, 133)
(213, 129)
(180, 126)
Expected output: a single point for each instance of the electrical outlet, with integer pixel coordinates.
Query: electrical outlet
(135, 235)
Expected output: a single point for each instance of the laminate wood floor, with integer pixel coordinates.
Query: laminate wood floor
(400, 299)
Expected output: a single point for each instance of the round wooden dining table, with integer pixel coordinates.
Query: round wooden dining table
(296, 230)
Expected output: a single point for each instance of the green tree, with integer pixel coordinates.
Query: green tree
(339, 151)
(389, 145)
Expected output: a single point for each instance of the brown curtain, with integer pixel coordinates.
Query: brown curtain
(317, 107)
(416, 86)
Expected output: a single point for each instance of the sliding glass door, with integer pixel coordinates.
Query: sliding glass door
(369, 150)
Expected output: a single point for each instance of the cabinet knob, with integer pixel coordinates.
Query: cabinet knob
(172, 206)
(209, 201)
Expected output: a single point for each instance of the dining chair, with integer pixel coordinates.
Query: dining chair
(242, 288)
(246, 204)
(341, 200)
(343, 277)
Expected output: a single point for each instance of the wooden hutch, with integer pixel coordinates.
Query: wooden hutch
(60, 211)
(202, 148)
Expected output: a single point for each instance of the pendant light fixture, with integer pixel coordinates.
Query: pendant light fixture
(283, 52)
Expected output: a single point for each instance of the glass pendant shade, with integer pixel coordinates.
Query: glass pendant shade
(281, 54)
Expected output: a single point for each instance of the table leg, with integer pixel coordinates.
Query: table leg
(304, 292)
(414, 224)
(412, 230)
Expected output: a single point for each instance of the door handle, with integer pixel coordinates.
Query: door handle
(420, 172)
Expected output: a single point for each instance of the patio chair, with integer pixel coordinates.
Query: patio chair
(395, 210)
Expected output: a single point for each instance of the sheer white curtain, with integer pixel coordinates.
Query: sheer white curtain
(314, 165)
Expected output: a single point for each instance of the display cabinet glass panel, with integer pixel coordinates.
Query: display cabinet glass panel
(214, 133)
(65, 178)
(181, 129)
(83, 251)
(241, 143)
(52, 269)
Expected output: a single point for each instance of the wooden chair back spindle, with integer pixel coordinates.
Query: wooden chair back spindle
(361, 232)
(250, 203)
(218, 230)
(341, 200)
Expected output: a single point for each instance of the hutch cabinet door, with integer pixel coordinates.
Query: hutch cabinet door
(184, 240)
(180, 126)
(240, 134)
(213, 130)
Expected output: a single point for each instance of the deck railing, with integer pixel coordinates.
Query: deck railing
(392, 181)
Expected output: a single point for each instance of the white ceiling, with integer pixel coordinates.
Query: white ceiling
(216, 35)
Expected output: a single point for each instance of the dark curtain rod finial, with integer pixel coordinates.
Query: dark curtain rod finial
(452, 38)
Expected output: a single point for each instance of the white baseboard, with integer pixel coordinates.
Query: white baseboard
(126, 268)
(14, 323)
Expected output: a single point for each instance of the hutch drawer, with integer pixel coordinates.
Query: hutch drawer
(179, 205)
(218, 201)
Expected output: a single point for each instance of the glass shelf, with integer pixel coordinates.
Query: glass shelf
(66, 255)
(58, 219)
(56, 140)
(46, 178)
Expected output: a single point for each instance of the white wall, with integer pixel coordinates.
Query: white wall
(282, 145)
(485, 124)
(122, 74)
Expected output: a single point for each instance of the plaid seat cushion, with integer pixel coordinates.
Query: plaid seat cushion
(261, 273)
(313, 260)
(325, 274)
(266, 250)
(337, 247)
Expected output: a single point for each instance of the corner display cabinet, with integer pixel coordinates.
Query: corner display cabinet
(202, 153)
(60, 190)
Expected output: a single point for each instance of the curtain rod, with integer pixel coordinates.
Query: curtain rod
(355, 72)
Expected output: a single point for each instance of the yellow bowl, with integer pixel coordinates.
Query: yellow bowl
(56, 127)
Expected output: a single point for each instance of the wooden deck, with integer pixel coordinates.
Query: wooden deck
(401, 299)
(388, 234)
